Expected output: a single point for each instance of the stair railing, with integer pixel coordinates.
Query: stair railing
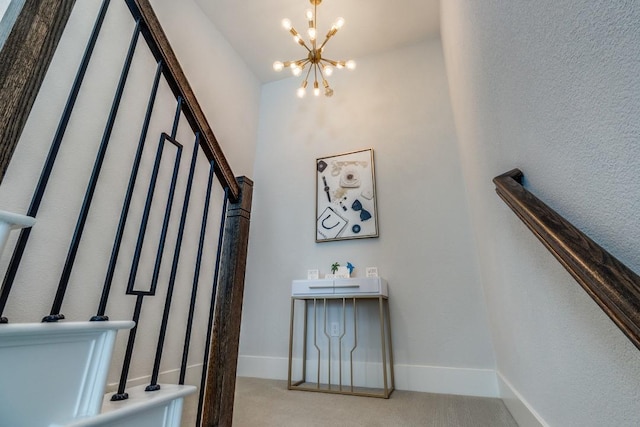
(217, 383)
(613, 286)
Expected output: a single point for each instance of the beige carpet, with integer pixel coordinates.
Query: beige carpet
(261, 402)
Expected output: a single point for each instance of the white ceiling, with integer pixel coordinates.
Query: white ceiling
(254, 30)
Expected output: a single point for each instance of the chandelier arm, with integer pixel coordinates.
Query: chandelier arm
(289, 63)
(316, 90)
(320, 71)
(313, 45)
(308, 72)
(330, 61)
(324, 42)
(298, 39)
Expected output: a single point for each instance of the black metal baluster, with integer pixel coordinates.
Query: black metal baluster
(18, 252)
(196, 277)
(176, 117)
(55, 314)
(121, 395)
(174, 269)
(145, 218)
(147, 206)
(127, 201)
(165, 222)
(214, 289)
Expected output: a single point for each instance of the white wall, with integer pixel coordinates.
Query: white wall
(398, 104)
(227, 90)
(551, 87)
(230, 106)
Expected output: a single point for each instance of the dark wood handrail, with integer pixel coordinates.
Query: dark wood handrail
(608, 281)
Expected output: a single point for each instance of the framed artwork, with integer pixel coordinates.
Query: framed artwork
(346, 197)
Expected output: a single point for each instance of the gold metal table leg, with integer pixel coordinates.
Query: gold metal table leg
(322, 327)
(393, 381)
(383, 346)
(293, 301)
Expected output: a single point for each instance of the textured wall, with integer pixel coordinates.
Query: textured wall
(424, 249)
(552, 87)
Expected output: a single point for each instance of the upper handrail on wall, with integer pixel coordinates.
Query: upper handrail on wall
(609, 282)
(159, 44)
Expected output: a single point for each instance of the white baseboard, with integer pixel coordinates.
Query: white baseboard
(431, 379)
(272, 368)
(445, 380)
(522, 412)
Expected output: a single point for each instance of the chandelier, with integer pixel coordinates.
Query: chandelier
(320, 66)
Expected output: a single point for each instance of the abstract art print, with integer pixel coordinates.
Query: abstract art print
(346, 197)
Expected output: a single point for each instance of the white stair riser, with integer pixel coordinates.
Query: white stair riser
(161, 408)
(52, 372)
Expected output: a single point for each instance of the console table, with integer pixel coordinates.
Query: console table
(333, 320)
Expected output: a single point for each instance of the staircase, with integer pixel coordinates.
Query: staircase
(54, 374)
(119, 234)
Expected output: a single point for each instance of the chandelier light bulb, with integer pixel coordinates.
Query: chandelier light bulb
(328, 70)
(328, 92)
(296, 70)
(286, 23)
(302, 90)
(278, 66)
(312, 33)
(316, 89)
(339, 23)
(309, 15)
(351, 64)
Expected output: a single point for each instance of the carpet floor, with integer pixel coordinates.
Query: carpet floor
(265, 403)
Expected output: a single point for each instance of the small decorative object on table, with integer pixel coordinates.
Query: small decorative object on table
(350, 267)
(340, 272)
(372, 271)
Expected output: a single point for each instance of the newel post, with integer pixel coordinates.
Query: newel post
(24, 60)
(223, 357)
